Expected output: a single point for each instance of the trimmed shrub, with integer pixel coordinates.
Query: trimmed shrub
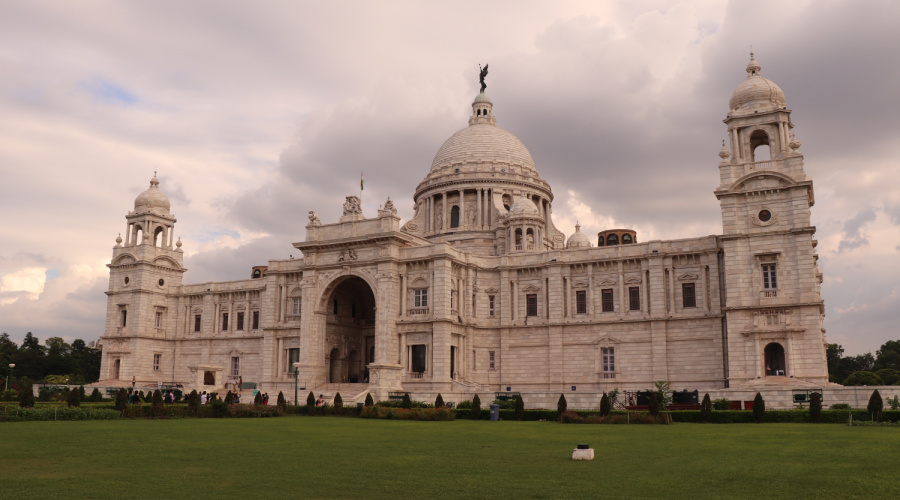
(863, 378)
(839, 406)
(464, 405)
(425, 414)
(96, 397)
(338, 402)
(193, 402)
(257, 400)
(476, 408)
(220, 409)
(311, 399)
(439, 401)
(74, 399)
(81, 395)
(520, 408)
(281, 402)
(121, 400)
(815, 407)
(721, 404)
(654, 404)
(875, 406)
(156, 408)
(705, 409)
(605, 406)
(561, 406)
(759, 408)
(43, 395)
(407, 403)
(229, 398)
(369, 400)
(12, 395)
(26, 397)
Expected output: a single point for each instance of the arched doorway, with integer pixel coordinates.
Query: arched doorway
(350, 329)
(775, 360)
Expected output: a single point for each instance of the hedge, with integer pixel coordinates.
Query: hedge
(56, 413)
(425, 414)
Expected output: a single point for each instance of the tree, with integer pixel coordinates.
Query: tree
(81, 393)
(26, 396)
(833, 355)
(157, 404)
(281, 402)
(193, 401)
(257, 400)
(815, 407)
(863, 378)
(888, 355)
(759, 408)
(311, 399)
(229, 398)
(96, 397)
(705, 409)
(476, 408)
(74, 399)
(561, 405)
(338, 402)
(889, 376)
(605, 407)
(654, 404)
(369, 400)
(121, 400)
(520, 408)
(406, 402)
(852, 364)
(663, 393)
(876, 404)
(439, 401)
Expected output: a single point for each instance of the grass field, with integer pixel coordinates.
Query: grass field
(309, 457)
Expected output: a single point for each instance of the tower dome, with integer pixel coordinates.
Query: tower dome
(152, 200)
(524, 207)
(578, 239)
(756, 93)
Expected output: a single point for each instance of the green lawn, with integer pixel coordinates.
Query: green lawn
(310, 457)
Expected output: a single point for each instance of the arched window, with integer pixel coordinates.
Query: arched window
(601, 241)
(454, 216)
(759, 146)
(626, 239)
(158, 237)
(256, 273)
(612, 240)
(774, 354)
(138, 235)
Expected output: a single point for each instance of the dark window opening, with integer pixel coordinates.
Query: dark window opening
(601, 241)
(580, 302)
(418, 358)
(531, 303)
(770, 276)
(124, 318)
(224, 321)
(196, 322)
(634, 298)
(688, 295)
(606, 296)
(240, 321)
(612, 240)
(334, 308)
(765, 215)
(626, 239)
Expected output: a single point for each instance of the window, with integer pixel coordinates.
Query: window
(491, 360)
(580, 302)
(418, 358)
(626, 239)
(293, 355)
(491, 306)
(634, 298)
(688, 295)
(608, 362)
(256, 274)
(158, 319)
(420, 297)
(454, 216)
(240, 321)
(156, 360)
(235, 366)
(124, 317)
(255, 320)
(607, 300)
(297, 307)
(196, 322)
(224, 322)
(612, 240)
(531, 304)
(770, 277)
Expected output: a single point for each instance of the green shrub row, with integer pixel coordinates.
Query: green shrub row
(390, 413)
(16, 414)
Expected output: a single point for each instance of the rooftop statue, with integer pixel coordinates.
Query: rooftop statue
(484, 72)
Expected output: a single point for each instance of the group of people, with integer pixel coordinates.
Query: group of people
(135, 397)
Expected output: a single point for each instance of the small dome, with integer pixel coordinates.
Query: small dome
(578, 240)
(482, 97)
(152, 200)
(524, 206)
(756, 93)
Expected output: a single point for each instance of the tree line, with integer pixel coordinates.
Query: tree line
(56, 361)
(865, 369)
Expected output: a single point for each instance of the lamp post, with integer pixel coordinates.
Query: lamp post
(296, 374)
(11, 366)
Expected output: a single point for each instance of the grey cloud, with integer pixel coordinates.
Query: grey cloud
(853, 236)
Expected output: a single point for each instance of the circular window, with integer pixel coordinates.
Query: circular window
(127, 279)
(764, 215)
(162, 282)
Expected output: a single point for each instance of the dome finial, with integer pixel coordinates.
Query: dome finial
(753, 67)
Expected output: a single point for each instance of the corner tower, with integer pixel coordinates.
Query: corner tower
(773, 309)
(145, 274)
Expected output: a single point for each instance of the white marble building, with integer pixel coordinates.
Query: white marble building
(480, 291)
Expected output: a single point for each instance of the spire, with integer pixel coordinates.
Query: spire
(753, 67)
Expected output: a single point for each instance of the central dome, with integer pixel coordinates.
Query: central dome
(483, 142)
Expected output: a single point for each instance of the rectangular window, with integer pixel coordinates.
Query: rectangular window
(607, 300)
(770, 277)
(688, 295)
(240, 321)
(293, 357)
(491, 306)
(418, 358)
(255, 320)
(608, 360)
(156, 359)
(420, 298)
(634, 298)
(297, 307)
(124, 317)
(531, 304)
(235, 366)
(491, 360)
(158, 319)
(580, 302)
(196, 322)
(224, 322)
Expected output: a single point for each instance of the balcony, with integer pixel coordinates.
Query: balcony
(418, 311)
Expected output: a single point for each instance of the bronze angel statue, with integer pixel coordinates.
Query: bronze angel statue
(484, 72)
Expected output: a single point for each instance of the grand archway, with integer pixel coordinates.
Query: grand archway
(350, 331)
(774, 353)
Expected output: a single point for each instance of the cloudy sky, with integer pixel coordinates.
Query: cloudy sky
(255, 113)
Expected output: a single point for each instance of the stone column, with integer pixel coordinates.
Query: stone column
(590, 290)
(671, 287)
(444, 216)
(463, 220)
(479, 222)
(621, 278)
(403, 285)
(645, 299)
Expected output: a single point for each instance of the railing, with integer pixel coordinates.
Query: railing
(416, 374)
(609, 375)
(768, 294)
(761, 165)
(418, 310)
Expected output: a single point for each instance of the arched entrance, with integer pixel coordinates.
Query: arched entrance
(775, 360)
(349, 330)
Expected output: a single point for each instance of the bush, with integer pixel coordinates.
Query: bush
(721, 404)
(96, 397)
(889, 376)
(476, 408)
(839, 406)
(220, 409)
(12, 395)
(43, 395)
(338, 402)
(705, 409)
(311, 399)
(439, 401)
(257, 400)
(815, 407)
(157, 406)
(561, 406)
(863, 378)
(876, 404)
(605, 406)
(407, 403)
(229, 398)
(505, 404)
(464, 405)
(654, 404)
(74, 399)
(759, 408)
(26, 397)
(425, 414)
(121, 400)
(281, 402)
(81, 395)
(48, 413)
(193, 402)
(369, 400)
(520, 408)
(251, 411)
(894, 403)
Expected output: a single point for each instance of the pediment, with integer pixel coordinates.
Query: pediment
(166, 261)
(633, 281)
(608, 282)
(419, 283)
(580, 284)
(688, 277)
(606, 340)
(491, 290)
(123, 260)
(531, 288)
